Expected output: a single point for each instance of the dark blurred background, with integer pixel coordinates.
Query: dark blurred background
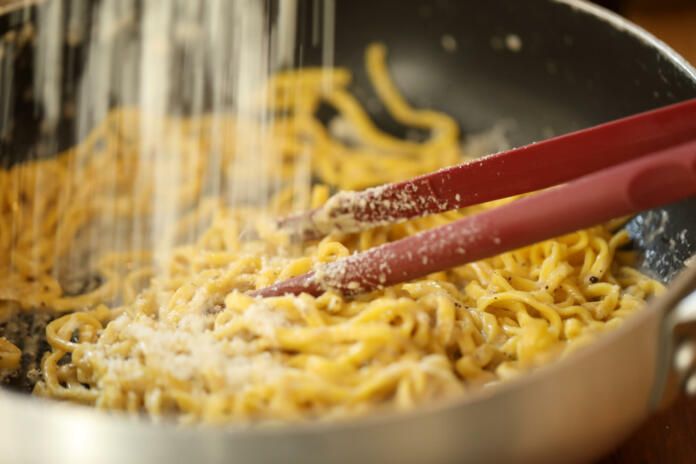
(673, 21)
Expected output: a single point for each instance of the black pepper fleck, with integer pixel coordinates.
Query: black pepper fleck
(594, 279)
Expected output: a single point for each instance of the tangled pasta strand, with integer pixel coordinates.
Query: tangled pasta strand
(180, 336)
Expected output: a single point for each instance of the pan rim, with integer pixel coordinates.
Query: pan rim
(623, 24)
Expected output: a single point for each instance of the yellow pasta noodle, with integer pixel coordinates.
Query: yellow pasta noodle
(9, 354)
(180, 336)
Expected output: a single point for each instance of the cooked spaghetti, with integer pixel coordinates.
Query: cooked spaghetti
(180, 336)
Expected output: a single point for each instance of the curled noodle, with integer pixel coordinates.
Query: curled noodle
(183, 338)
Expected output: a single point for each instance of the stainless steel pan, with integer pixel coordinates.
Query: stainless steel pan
(550, 67)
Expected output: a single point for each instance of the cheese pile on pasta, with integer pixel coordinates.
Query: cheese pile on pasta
(181, 336)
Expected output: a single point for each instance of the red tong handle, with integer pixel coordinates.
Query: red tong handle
(664, 177)
(532, 167)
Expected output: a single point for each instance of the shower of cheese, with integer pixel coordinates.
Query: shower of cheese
(174, 58)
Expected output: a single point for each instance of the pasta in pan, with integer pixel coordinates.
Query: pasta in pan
(181, 337)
